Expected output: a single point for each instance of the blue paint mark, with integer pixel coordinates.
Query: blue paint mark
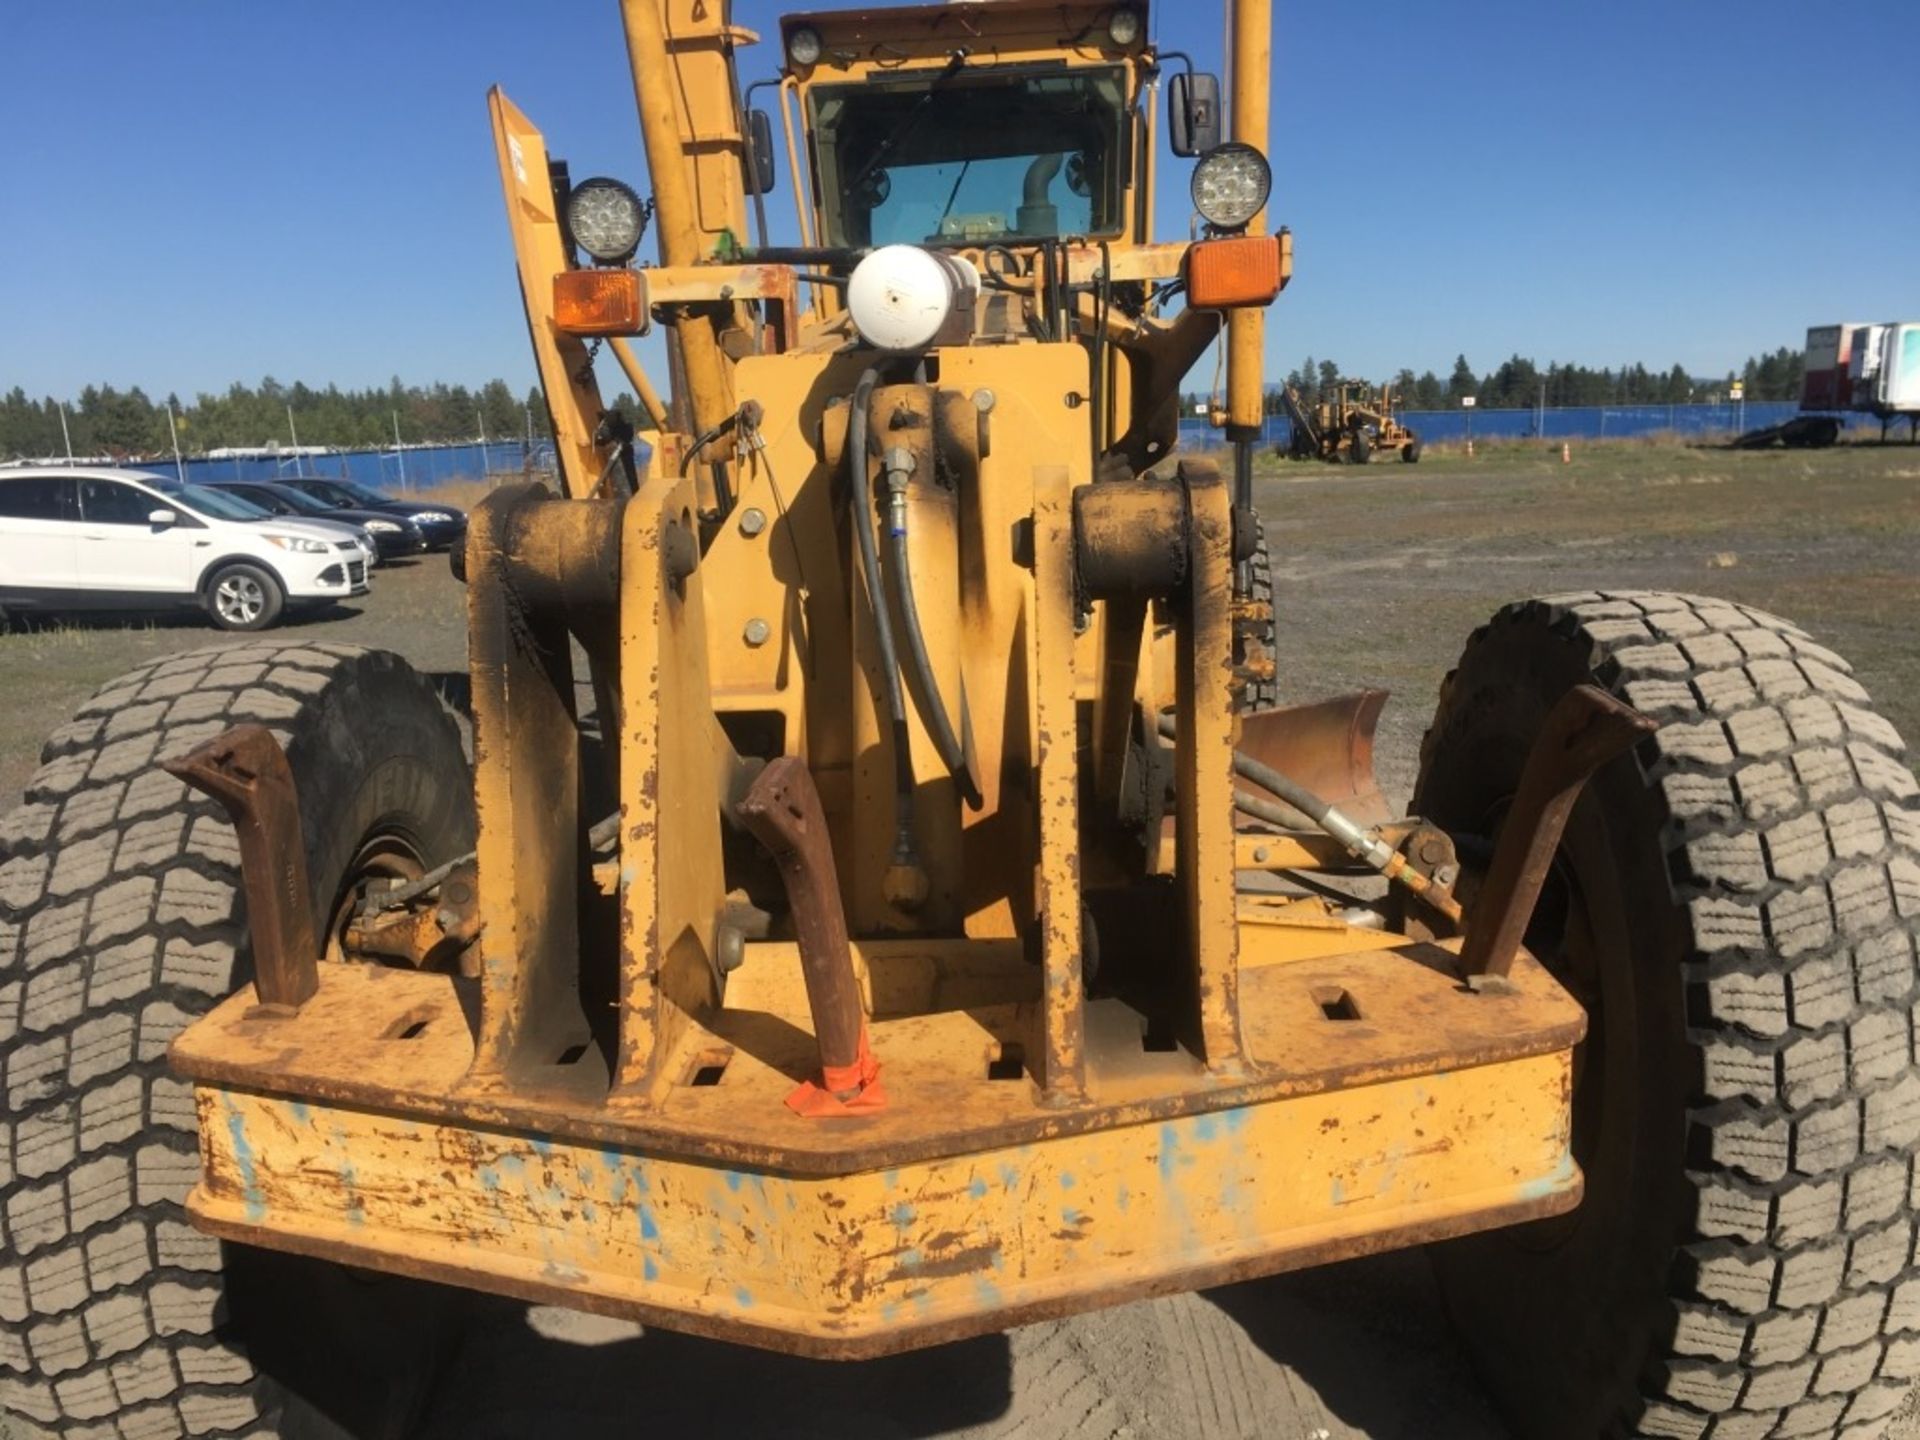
(977, 1189)
(889, 1312)
(543, 1148)
(1339, 1194)
(1236, 1119)
(1009, 1176)
(1124, 1198)
(356, 1209)
(1067, 1182)
(300, 1112)
(243, 1157)
(986, 1292)
(648, 1230)
(648, 1270)
(734, 1178)
(589, 1214)
(744, 1297)
(902, 1216)
(512, 1165)
(1205, 1129)
(891, 1178)
(1552, 1182)
(910, 1259)
(1169, 1147)
(1072, 1218)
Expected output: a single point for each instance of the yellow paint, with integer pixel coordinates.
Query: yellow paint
(573, 399)
(871, 1262)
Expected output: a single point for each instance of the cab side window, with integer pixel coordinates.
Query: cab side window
(108, 502)
(41, 498)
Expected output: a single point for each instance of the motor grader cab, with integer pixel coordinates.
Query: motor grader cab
(1347, 424)
(879, 911)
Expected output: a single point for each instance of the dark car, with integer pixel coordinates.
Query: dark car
(442, 525)
(393, 535)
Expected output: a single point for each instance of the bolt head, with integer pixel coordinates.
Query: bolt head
(757, 632)
(752, 521)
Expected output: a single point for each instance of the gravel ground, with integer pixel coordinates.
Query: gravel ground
(1379, 575)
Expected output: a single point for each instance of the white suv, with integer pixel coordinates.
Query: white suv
(103, 539)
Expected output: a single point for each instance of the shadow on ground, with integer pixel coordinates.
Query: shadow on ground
(1361, 1349)
(513, 1381)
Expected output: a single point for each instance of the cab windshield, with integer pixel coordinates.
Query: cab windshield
(973, 159)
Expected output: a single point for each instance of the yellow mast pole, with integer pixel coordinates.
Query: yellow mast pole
(1251, 30)
(657, 78)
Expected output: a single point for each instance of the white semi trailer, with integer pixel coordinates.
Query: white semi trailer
(1852, 369)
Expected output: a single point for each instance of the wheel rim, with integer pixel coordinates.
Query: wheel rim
(240, 599)
(386, 857)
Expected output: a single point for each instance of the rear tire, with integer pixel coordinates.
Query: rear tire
(244, 597)
(1359, 448)
(1412, 450)
(1255, 631)
(121, 922)
(1735, 903)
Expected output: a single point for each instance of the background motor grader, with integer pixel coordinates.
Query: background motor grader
(1347, 424)
(872, 911)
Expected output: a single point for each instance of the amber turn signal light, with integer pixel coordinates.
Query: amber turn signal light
(599, 302)
(1238, 270)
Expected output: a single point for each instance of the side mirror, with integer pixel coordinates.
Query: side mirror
(1193, 113)
(161, 519)
(759, 177)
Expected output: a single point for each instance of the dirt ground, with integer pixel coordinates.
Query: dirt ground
(1379, 576)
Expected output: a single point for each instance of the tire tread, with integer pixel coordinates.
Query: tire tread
(119, 893)
(1792, 838)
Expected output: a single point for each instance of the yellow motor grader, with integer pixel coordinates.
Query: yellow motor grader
(857, 898)
(1348, 423)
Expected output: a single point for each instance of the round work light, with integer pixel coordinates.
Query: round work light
(606, 219)
(803, 46)
(1230, 185)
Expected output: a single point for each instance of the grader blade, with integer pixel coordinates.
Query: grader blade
(1326, 745)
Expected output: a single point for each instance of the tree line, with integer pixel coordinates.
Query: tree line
(1521, 384)
(105, 421)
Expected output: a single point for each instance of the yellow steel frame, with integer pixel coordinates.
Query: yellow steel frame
(596, 1117)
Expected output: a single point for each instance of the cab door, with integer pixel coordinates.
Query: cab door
(39, 534)
(121, 549)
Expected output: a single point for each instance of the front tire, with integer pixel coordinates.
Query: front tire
(1735, 904)
(244, 597)
(120, 923)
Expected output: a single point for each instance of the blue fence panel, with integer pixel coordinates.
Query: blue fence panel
(1581, 422)
(399, 471)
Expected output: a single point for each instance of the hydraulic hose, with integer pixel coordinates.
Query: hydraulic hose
(1360, 842)
(863, 521)
(899, 465)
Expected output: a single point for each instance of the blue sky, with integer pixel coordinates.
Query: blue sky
(201, 192)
